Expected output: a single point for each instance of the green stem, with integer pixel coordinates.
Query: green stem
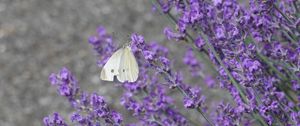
(284, 16)
(290, 36)
(258, 117)
(202, 113)
(241, 92)
(278, 73)
(180, 89)
(258, 100)
(282, 64)
(283, 78)
(198, 108)
(264, 59)
(286, 31)
(156, 121)
(287, 69)
(296, 8)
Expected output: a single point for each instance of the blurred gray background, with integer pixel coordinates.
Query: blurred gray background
(38, 37)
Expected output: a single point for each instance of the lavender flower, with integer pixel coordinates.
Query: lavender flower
(229, 116)
(54, 120)
(172, 35)
(91, 109)
(199, 42)
(194, 99)
(102, 44)
(66, 84)
(194, 65)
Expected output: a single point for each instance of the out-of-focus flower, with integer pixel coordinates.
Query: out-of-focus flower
(172, 35)
(54, 120)
(193, 63)
(103, 45)
(66, 84)
(199, 42)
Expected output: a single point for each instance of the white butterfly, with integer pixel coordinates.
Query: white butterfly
(121, 64)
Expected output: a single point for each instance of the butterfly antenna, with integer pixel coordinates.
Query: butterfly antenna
(128, 39)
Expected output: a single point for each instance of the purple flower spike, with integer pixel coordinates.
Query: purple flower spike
(66, 84)
(149, 55)
(199, 42)
(192, 62)
(103, 45)
(54, 120)
(172, 35)
(91, 109)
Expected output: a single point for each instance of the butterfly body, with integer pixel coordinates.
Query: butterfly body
(121, 64)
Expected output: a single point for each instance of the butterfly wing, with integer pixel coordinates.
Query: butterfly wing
(128, 70)
(111, 68)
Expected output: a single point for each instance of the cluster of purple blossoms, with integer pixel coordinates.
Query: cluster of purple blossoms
(194, 65)
(156, 57)
(102, 44)
(254, 47)
(90, 109)
(55, 120)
